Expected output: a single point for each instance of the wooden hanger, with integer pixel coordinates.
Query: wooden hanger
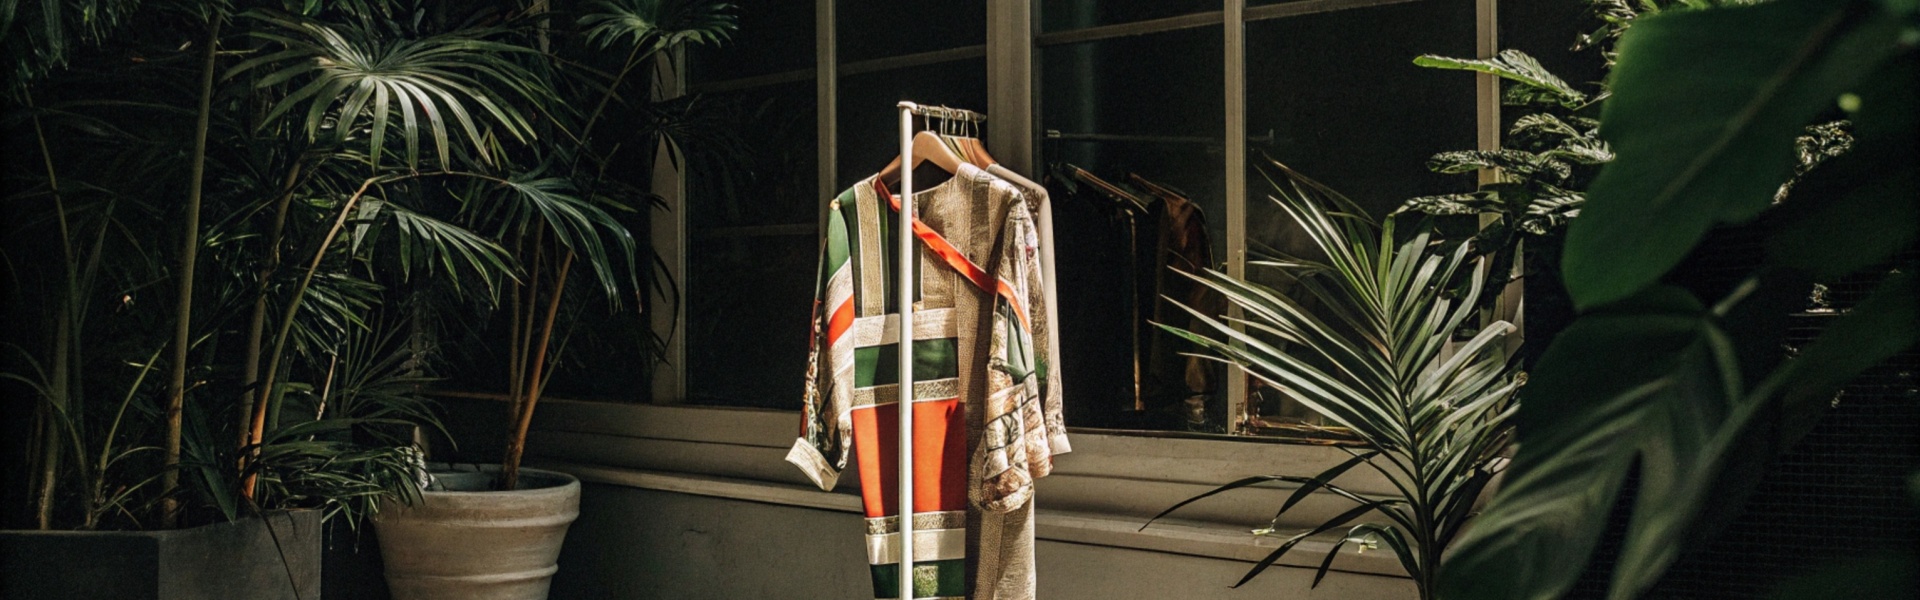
(927, 147)
(1108, 189)
(970, 147)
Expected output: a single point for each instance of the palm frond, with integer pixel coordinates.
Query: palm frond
(652, 25)
(1385, 365)
(350, 80)
(583, 225)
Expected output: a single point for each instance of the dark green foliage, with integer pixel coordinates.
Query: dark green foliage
(1707, 111)
(334, 254)
(1374, 358)
(1721, 160)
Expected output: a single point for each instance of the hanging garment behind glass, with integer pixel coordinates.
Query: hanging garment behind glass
(1174, 381)
(1099, 234)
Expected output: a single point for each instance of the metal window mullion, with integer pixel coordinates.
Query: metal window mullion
(1236, 167)
(1010, 85)
(668, 230)
(1486, 43)
(826, 97)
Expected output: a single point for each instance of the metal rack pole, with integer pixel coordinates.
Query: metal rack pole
(903, 293)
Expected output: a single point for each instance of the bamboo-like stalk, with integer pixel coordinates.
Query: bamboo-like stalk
(526, 320)
(257, 421)
(536, 382)
(263, 396)
(514, 354)
(257, 325)
(64, 346)
(183, 311)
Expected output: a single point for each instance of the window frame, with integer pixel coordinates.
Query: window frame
(1012, 38)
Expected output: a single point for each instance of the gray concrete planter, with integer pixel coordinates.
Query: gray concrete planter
(471, 543)
(225, 560)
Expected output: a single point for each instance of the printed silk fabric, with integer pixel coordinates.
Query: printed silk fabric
(986, 407)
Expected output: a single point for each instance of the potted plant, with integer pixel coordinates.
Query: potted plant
(172, 425)
(1377, 354)
(554, 208)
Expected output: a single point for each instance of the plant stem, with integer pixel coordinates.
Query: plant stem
(257, 423)
(257, 325)
(516, 446)
(59, 390)
(256, 426)
(586, 131)
(183, 311)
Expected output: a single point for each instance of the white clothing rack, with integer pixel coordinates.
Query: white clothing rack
(904, 294)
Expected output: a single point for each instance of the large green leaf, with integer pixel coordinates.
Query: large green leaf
(1579, 435)
(1515, 66)
(1705, 108)
(1654, 381)
(1859, 208)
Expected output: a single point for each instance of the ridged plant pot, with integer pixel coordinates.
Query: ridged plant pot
(469, 542)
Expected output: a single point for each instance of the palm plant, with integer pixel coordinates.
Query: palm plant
(576, 205)
(350, 159)
(1376, 357)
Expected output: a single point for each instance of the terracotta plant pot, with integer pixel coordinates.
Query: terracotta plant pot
(469, 542)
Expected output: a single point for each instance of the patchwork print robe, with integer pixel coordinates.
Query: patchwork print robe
(981, 386)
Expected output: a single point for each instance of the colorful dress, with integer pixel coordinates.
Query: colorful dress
(979, 382)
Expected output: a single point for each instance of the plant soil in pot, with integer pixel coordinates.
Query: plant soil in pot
(466, 540)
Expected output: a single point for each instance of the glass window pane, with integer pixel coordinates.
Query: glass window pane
(1067, 15)
(769, 179)
(1141, 113)
(753, 219)
(870, 29)
(749, 298)
(774, 36)
(1548, 31)
(1336, 96)
(1345, 105)
(870, 118)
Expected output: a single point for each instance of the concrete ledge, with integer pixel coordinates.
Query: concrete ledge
(1171, 536)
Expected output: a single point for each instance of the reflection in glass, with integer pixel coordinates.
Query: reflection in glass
(1067, 15)
(1136, 170)
(870, 29)
(1345, 105)
(750, 262)
(774, 36)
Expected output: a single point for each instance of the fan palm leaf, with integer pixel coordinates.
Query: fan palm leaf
(1372, 349)
(652, 25)
(349, 78)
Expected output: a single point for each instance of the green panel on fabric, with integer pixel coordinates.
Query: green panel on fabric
(849, 215)
(1019, 355)
(890, 245)
(932, 579)
(840, 231)
(932, 359)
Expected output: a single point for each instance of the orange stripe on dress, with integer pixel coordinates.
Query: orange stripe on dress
(958, 260)
(840, 322)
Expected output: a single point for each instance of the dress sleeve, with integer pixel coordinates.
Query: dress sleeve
(1046, 330)
(825, 425)
(1014, 436)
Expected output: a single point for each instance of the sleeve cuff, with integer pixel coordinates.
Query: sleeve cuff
(1057, 443)
(815, 465)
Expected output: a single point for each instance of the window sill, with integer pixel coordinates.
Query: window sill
(1099, 494)
(1190, 538)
